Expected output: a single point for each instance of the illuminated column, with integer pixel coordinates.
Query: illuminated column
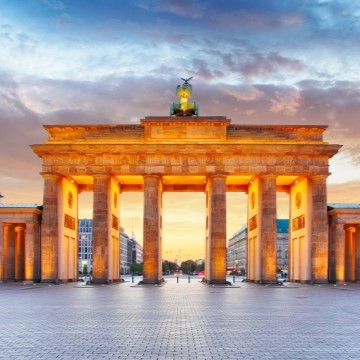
(2, 244)
(357, 246)
(32, 252)
(319, 230)
(100, 229)
(152, 272)
(19, 253)
(114, 231)
(10, 263)
(336, 243)
(339, 239)
(350, 254)
(268, 229)
(49, 229)
(216, 230)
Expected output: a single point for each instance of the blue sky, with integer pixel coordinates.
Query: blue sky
(112, 61)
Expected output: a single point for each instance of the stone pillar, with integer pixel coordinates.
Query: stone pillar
(10, 253)
(2, 230)
(336, 243)
(216, 234)
(19, 253)
(50, 230)
(319, 230)
(339, 239)
(357, 246)
(100, 229)
(32, 252)
(152, 272)
(268, 229)
(350, 254)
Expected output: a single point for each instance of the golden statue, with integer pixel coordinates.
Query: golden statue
(183, 108)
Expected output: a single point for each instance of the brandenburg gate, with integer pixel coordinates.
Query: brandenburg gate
(186, 152)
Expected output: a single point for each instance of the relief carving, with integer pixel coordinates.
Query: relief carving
(298, 223)
(252, 223)
(114, 222)
(69, 222)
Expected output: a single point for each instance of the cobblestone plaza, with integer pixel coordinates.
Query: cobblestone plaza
(184, 320)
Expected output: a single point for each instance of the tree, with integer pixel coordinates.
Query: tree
(169, 266)
(85, 269)
(136, 268)
(188, 266)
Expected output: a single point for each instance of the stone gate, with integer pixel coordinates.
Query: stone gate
(207, 154)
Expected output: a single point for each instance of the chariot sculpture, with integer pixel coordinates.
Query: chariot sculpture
(183, 107)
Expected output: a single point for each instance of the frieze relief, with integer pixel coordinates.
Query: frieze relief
(298, 223)
(177, 163)
(297, 164)
(252, 223)
(69, 222)
(114, 222)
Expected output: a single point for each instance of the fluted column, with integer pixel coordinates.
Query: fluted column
(268, 229)
(357, 245)
(10, 253)
(32, 252)
(339, 240)
(49, 229)
(216, 234)
(319, 230)
(100, 229)
(19, 253)
(350, 254)
(2, 231)
(152, 271)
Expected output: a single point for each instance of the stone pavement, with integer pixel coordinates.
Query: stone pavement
(179, 321)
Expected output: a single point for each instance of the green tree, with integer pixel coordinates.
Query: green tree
(169, 266)
(188, 266)
(85, 270)
(136, 268)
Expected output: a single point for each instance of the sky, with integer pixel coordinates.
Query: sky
(112, 61)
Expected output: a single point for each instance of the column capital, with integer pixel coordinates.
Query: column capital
(267, 176)
(155, 176)
(19, 228)
(100, 176)
(211, 176)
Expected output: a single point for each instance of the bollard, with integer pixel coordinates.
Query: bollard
(177, 279)
(189, 279)
(132, 278)
(234, 279)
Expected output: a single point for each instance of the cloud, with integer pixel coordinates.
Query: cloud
(287, 103)
(190, 8)
(344, 193)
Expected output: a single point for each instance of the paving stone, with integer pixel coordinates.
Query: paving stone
(179, 321)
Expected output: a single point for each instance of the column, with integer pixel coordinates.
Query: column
(32, 252)
(216, 234)
(100, 229)
(10, 253)
(319, 230)
(339, 239)
(268, 230)
(49, 229)
(350, 253)
(2, 231)
(19, 253)
(336, 252)
(357, 246)
(152, 271)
